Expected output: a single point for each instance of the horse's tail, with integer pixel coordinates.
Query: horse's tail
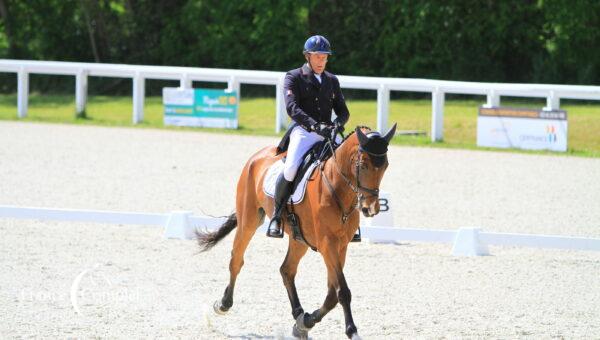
(207, 240)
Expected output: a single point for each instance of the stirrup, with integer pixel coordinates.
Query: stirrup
(276, 232)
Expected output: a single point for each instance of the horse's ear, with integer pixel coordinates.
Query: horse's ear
(388, 136)
(362, 138)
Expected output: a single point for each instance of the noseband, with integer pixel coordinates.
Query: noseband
(358, 189)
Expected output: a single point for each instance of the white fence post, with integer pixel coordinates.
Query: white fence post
(81, 91)
(233, 85)
(493, 99)
(552, 102)
(185, 82)
(280, 110)
(22, 92)
(138, 97)
(383, 107)
(437, 115)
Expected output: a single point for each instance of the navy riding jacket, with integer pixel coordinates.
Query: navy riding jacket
(309, 102)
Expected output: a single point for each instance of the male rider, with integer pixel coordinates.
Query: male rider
(310, 94)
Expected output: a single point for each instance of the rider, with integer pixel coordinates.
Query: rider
(310, 94)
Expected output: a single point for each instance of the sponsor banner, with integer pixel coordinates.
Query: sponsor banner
(200, 107)
(522, 128)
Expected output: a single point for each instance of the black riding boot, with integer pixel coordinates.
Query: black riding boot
(283, 190)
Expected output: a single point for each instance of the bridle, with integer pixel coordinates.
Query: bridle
(358, 189)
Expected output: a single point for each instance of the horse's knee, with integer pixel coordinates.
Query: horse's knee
(344, 295)
(286, 274)
(330, 301)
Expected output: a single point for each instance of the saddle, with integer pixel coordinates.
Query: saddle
(316, 153)
(303, 175)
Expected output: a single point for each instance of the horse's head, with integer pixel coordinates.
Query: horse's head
(370, 164)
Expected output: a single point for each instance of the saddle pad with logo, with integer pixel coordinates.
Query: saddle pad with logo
(271, 180)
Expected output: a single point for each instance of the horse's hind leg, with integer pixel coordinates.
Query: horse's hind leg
(248, 221)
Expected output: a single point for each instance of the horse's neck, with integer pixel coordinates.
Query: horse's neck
(340, 162)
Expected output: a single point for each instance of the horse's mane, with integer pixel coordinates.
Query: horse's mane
(353, 131)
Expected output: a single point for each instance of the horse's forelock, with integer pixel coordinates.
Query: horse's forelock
(378, 161)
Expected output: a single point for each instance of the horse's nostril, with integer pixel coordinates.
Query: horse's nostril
(365, 211)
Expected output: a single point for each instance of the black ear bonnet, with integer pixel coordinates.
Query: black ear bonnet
(375, 145)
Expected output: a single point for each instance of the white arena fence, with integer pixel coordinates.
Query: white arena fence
(233, 78)
(182, 225)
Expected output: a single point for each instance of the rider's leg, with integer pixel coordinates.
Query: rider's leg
(283, 188)
(300, 142)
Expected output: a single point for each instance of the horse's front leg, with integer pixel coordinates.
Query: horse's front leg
(330, 302)
(334, 254)
(288, 271)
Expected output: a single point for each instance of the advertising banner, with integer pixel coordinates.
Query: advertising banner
(529, 129)
(200, 107)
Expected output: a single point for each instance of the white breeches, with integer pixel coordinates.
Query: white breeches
(300, 142)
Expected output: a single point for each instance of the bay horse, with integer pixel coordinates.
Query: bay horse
(342, 186)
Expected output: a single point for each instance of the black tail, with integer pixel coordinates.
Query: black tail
(207, 240)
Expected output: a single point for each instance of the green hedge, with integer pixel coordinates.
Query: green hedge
(548, 41)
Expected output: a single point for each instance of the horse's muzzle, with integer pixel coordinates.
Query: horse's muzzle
(370, 210)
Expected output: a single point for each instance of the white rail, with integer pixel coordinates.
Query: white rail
(466, 241)
(233, 78)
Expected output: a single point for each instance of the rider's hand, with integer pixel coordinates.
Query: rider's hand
(322, 129)
(338, 125)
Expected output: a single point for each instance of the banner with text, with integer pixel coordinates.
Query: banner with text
(530, 129)
(200, 107)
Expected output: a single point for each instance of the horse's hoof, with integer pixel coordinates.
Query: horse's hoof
(304, 322)
(352, 333)
(299, 334)
(218, 308)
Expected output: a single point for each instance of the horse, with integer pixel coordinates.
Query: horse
(342, 186)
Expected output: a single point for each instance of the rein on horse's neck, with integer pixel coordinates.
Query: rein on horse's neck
(341, 161)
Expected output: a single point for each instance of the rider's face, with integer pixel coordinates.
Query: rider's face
(317, 62)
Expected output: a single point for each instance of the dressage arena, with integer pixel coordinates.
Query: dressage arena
(129, 281)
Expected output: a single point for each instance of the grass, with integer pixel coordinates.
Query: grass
(257, 117)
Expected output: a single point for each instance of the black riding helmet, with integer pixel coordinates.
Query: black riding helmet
(317, 44)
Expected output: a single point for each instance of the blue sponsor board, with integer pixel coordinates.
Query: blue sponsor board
(200, 107)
